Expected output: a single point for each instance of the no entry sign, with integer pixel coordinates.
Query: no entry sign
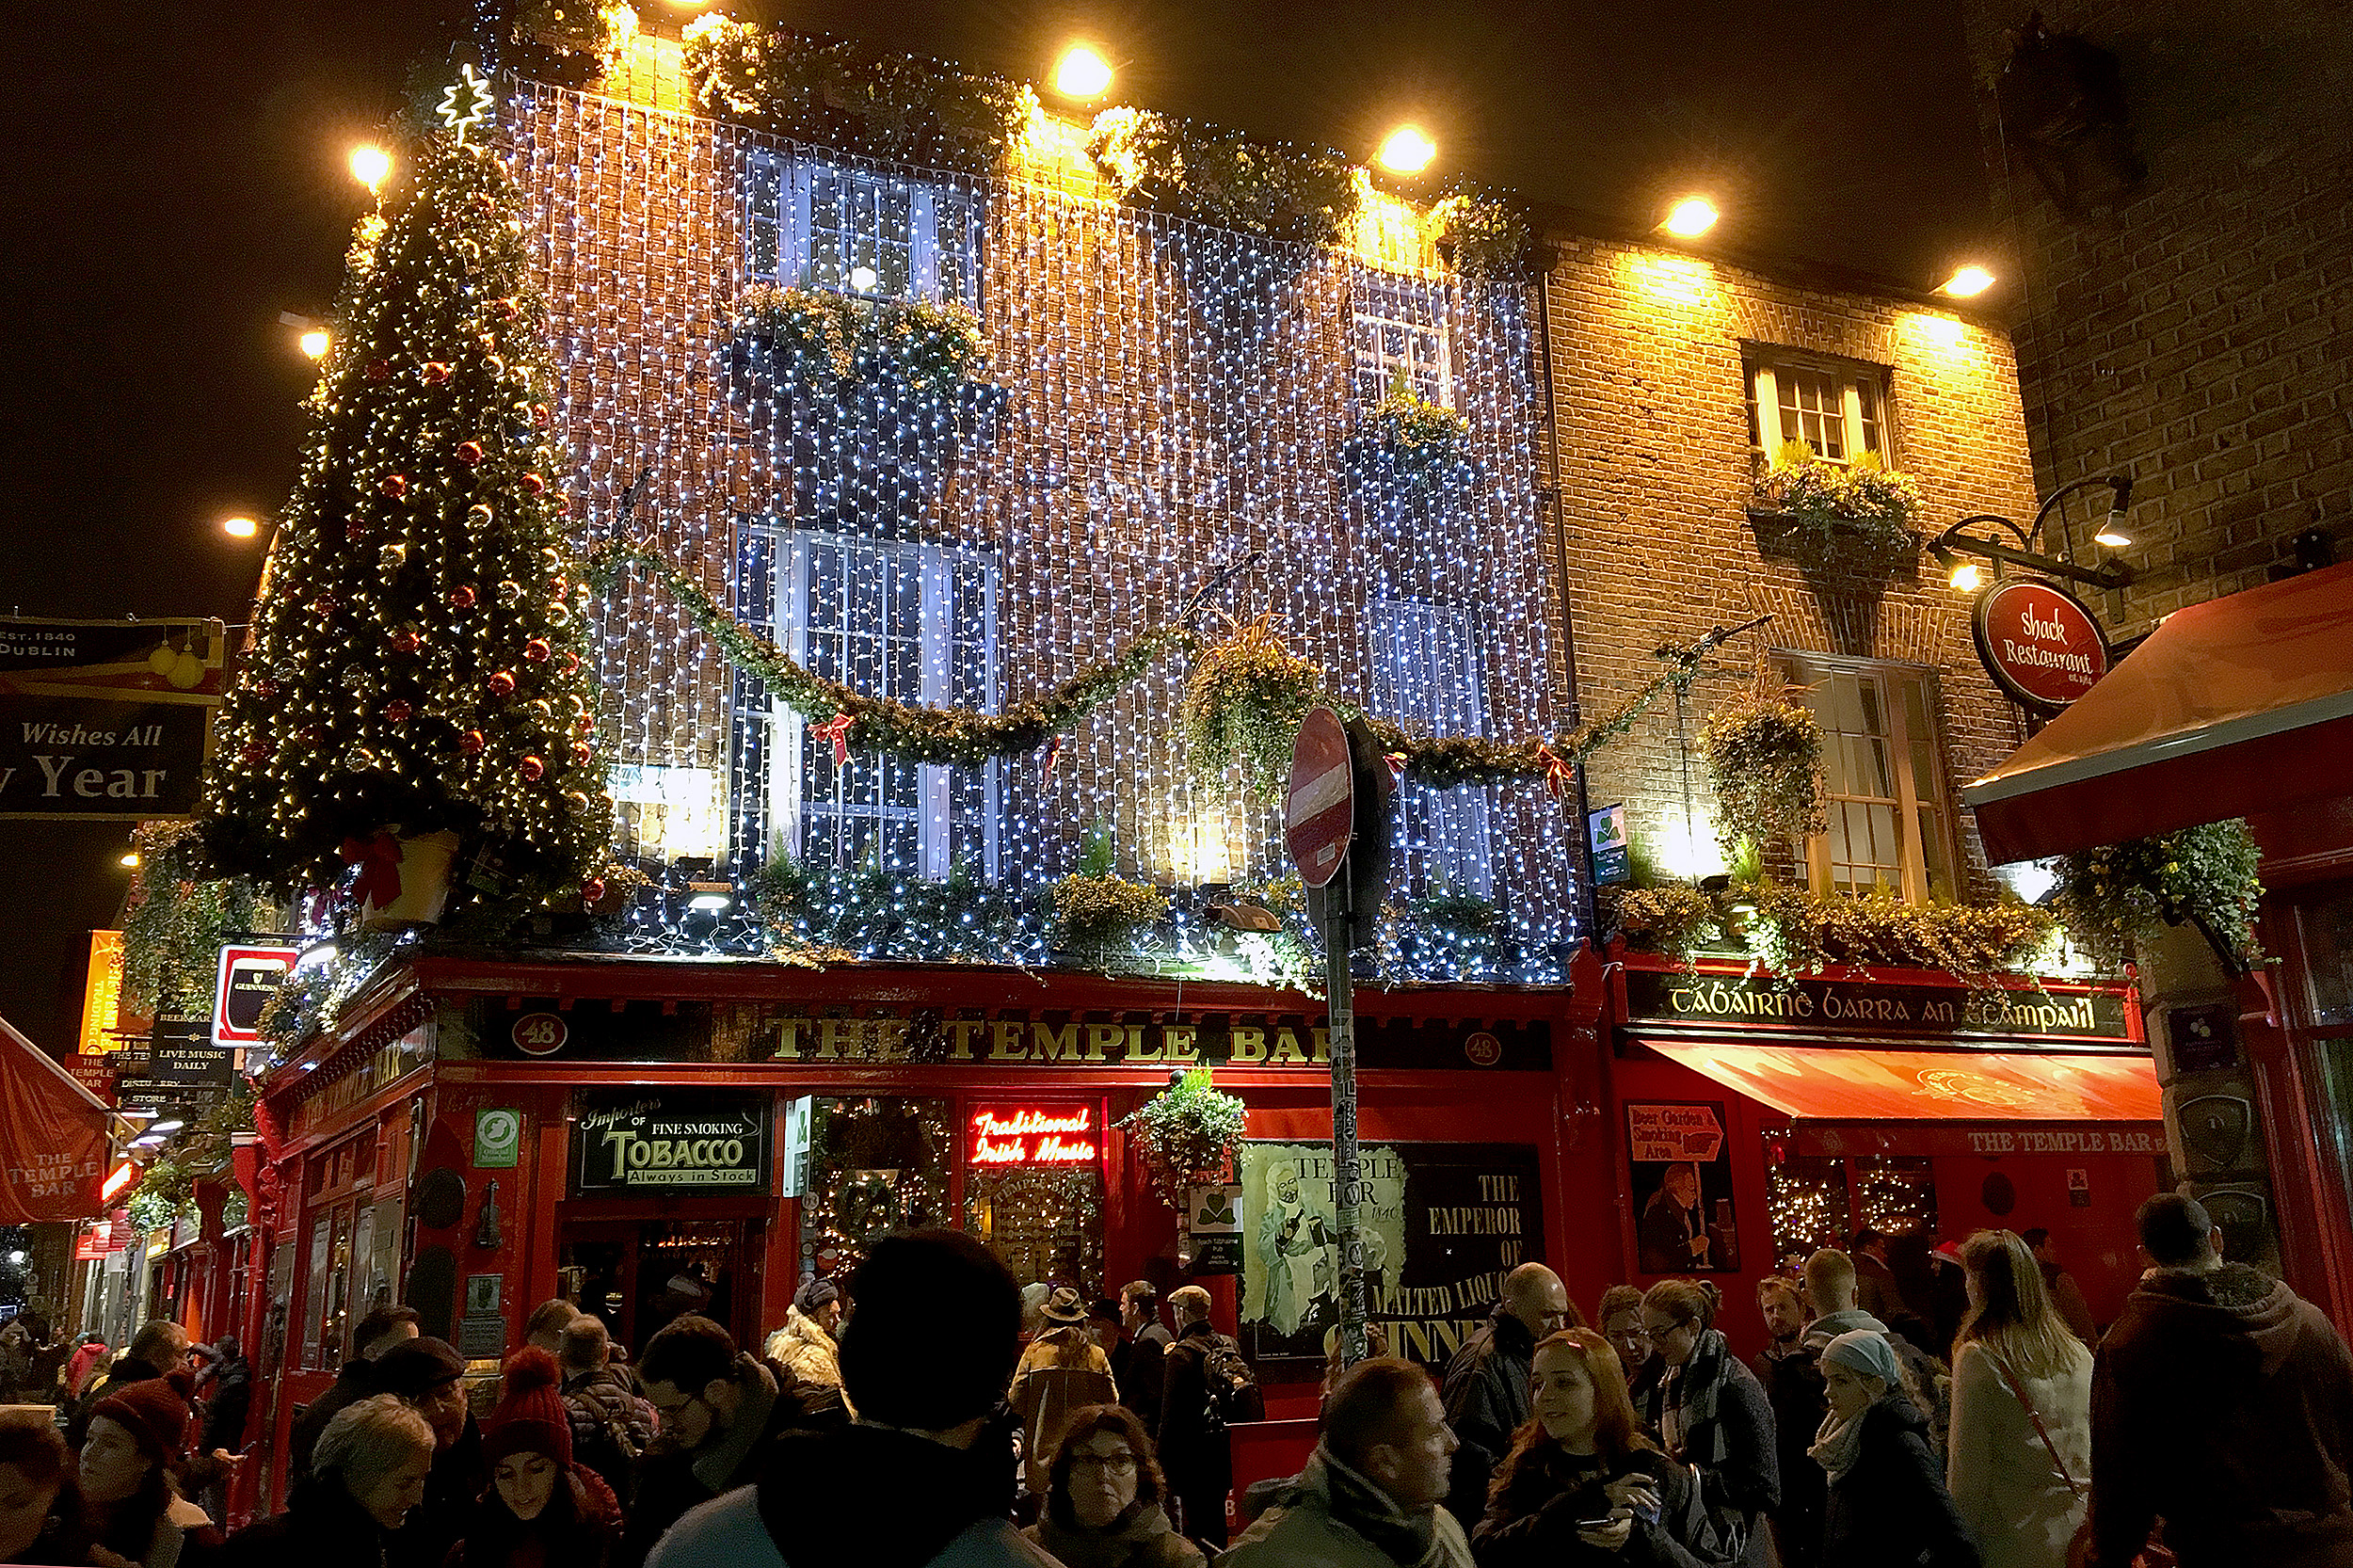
(2039, 643)
(1320, 813)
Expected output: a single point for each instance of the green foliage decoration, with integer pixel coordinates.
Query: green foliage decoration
(1100, 915)
(1285, 192)
(1860, 509)
(1673, 917)
(1764, 761)
(1484, 233)
(1245, 699)
(1795, 932)
(2205, 875)
(926, 351)
(1186, 1135)
(175, 922)
(825, 913)
(578, 26)
(1446, 936)
(842, 93)
(1421, 442)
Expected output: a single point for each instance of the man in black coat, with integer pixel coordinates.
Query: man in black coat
(1195, 1450)
(427, 1376)
(1139, 1364)
(1485, 1392)
(379, 1332)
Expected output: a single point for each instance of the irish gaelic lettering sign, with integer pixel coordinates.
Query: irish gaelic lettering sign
(1816, 1006)
(672, 1142)
(2039, 643)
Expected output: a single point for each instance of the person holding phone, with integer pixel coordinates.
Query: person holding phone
(1582, 1484)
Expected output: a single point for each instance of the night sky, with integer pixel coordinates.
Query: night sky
(179, 179)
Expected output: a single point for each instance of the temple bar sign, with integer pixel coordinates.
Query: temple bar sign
(1814, 1006)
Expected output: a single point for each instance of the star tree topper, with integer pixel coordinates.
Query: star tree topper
(477, 89)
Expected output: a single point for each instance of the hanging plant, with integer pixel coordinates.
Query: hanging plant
(1244, 699)
(1284, 192)
(1674, 919)
(1100, 918)
(1857, 511)
(2204, 874)
(1418, 441)
(1765, 761)
(840, 93)
(1484, 235)
(1187, 1136)
(176, 919)
(828, 342)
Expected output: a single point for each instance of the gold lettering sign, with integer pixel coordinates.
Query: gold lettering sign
(1038, 1042)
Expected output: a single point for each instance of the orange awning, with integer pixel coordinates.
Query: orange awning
(1833, 1083)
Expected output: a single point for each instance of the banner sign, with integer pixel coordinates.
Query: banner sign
(1442, 1224)
(1814, 1006)
(673, 1143)
(102, 994)
(183, 1055)
(105, 721)
(94, 1073)
(247, 979)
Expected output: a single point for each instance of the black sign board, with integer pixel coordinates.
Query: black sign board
(105, 721)
(1814, 1006)
(184, 1056)
(674, 1142)
(2205, 1039)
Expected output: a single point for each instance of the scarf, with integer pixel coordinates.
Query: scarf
(1410, 1539)
(1687, 1408)
(1837, 1446)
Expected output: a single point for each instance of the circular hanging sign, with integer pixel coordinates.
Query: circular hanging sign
(2039, 643)
(540, 1033)
(1320, 812)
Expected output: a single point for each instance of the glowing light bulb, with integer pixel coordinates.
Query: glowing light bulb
(131, 859)
(1691, 217)
(314, 342)
(863, 278)
(1407, 151)
(2111, 539)
(1082, 74)
(1968, 280)
(370, 164)
(1968, 577)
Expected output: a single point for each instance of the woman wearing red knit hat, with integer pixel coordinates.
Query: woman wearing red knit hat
(137, 1434)
(541, 1509)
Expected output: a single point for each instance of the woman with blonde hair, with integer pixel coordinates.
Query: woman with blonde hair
(1710, 1412)
(2021, 1451)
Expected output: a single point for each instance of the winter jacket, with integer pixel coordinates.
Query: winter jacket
(1061, 1370)
(225, 1409)
(180, 1535)
(1792, 1380)
(1199, 1460)
(804, 1348)
(1927, 1380)
(1891, 1509)
(321, 1526)
(2223, 1402)
(2020, 1512)
(1138, 1367)
(1532, 1521)
(433, 1526)
(671, 1480)
(579, 1528)
(356, 1382)
(1146, 1539)
(1330, 1518)
(1876, 1290)
(77, 1370)
(2068, 1297)
(862, 1497)
(1485, 1392)
(1742, 1485)
(606, 1415)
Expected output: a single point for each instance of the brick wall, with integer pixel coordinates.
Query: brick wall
(1655, 469)
(2195, 329)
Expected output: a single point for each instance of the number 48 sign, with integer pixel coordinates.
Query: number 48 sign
(539, 1034)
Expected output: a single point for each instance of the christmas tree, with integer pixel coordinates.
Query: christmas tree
(419, 656)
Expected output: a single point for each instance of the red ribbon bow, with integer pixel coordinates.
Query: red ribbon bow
(378, 859)
(837, 730)
(1054, 755)
(1396, 761)
(1556, 776)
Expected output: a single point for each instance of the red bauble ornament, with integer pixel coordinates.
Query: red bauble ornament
(469, 452)
(324, 606)
(435, 373)
(570, 663)
(397, 711)
(507, 309)
(470, 742)
(266, 688)
(408, 640)
(541, 415)
(582, 753)
(592, 890)
(533, 485)
(530, 769)
(252, 754)
(536, 650)
(462, 597)
(502, 684)
(395, 484)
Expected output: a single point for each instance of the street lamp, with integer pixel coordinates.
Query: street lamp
(1691, 217)
(240, 527)
(1956, 541)
(370, 164)
(1408, 150)
(1082, 73)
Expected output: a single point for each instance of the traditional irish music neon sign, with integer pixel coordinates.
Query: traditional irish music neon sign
(1031, 1135)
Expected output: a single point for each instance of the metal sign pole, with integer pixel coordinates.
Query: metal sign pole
(1339, 936)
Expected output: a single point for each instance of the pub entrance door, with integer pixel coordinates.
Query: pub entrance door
(639, 1263)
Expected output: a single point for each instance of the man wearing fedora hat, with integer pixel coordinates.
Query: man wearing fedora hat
(1061, 1370)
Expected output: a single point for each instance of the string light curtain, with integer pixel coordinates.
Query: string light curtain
(1160, 399)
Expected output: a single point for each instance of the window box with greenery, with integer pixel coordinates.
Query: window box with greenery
(1415, 441)
(1859, 514)
(831, 343)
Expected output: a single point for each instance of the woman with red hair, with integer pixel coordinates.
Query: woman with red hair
(1582, 1484)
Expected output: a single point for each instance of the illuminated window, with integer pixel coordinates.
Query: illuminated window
(863, 232)
(912, 622)
(1837, 408)
(1425, 676)
(1890, 815)
(1400, 330)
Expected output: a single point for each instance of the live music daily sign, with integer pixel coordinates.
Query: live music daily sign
(105, 721)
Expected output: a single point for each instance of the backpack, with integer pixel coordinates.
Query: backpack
(1233, 1386)
(608, 1450)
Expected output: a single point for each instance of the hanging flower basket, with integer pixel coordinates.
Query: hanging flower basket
(1187, 1136)
(1484, 235)
(1417, 442)
(1860, 513)
(1244, 699)
(1764, 760)
(832, 344)
(2205, 876)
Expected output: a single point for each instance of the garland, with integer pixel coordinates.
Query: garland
(1302, 195)
(603, 31)
(2205, 876)
(1188, 1133)
(1483, 234)
(1099, 915)
(176, 919)
(837, 92)
(956, 736)
(1836, 510)
(1764, 760)
(824, 340)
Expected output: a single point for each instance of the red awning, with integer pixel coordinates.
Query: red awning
(53, 1138)
(1836, 1084)
(2236, 706)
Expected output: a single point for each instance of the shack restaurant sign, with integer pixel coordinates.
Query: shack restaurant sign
(714, 1141)
(1031, 1135)
(2039, 643)
(1816, 1006)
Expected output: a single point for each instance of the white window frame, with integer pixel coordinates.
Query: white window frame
(1809, 676)
(1426, 675)
(1381, 301)
(782, 230)
(790, 811)
(1863, 404)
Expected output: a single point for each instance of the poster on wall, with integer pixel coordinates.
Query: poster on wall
(1681, 1164)
(1444, 1224)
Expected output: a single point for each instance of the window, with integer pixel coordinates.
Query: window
(913, 622)
(1890, 821)
(1839, 409)
(1400, 330)
(863, 232)
(1425, 676)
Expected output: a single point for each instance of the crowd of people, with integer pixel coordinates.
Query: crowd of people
(929, 1411)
